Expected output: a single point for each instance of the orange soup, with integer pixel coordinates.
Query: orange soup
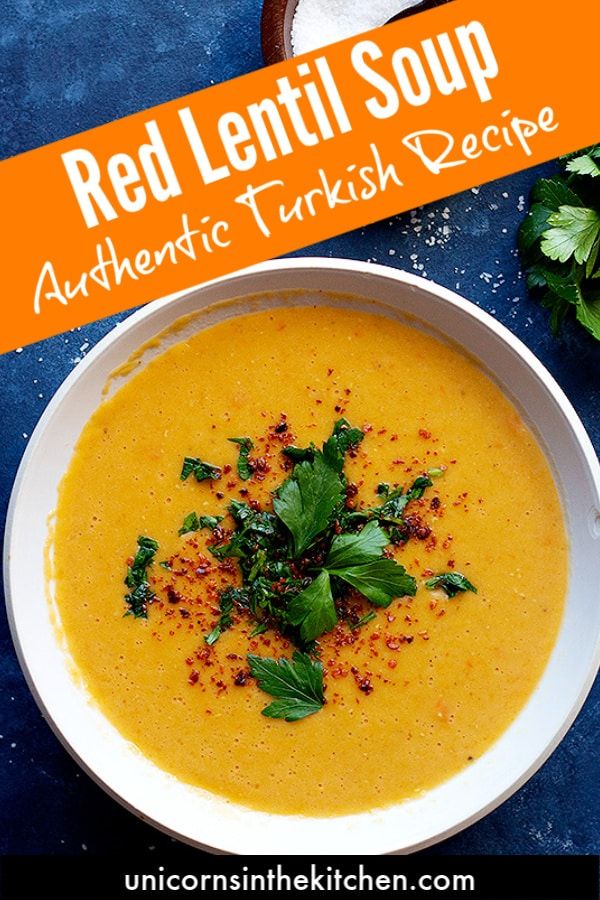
(414, 690)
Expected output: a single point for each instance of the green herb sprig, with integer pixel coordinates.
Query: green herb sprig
(559, 241)
(297, 685)
(141, 594)
(452, 583)
(244, 468)
(202, 471)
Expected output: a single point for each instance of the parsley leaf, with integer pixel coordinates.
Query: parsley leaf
(297, 684)
(354, 549)
(573, 232)
(584, 165)
(141, 594)
(588, 313)
(201, 470)
(243, 466)
(379, 580)
(534, 225)
(300, 454)
(452, 583)
(307, 500)
(313, 609)
(553, 193)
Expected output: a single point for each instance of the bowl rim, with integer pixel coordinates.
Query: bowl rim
(301, 265)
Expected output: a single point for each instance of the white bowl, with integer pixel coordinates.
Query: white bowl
(197, 816)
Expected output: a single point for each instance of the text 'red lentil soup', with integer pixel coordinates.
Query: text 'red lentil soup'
(404, 675)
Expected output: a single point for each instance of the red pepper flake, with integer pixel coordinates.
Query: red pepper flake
(417, 527)
(364, 685)
(338, 672)
(193, 677)
(173, 596)
(226, 469)
(241, 679)
(423, 433)
(435, 503)
(392, 663)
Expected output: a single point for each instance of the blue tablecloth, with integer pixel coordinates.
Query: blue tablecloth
(68, 65)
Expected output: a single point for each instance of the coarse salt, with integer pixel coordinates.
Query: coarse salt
(321, 22)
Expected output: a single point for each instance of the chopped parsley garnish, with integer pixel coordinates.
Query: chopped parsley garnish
(243, 466)
(297, 685)
(396, 501)
(452, 583)
(343, 439)
(435, 472)
(227, 606)
(194, 522)
(200, 470)
(301, 563)
(364, 620)
(141, 594)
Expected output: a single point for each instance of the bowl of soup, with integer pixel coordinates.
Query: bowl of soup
(303, 561)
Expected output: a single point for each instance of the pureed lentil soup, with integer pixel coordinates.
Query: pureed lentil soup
(418, 690)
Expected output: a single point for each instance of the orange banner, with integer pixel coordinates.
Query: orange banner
(289, 155)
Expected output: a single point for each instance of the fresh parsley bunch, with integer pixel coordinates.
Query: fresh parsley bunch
(559, 241)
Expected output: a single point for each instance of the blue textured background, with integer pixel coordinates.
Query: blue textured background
(68, 65)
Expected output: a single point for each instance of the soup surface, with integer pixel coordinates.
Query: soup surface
(412, 696)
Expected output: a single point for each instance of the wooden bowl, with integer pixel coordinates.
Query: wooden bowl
(278, 16)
